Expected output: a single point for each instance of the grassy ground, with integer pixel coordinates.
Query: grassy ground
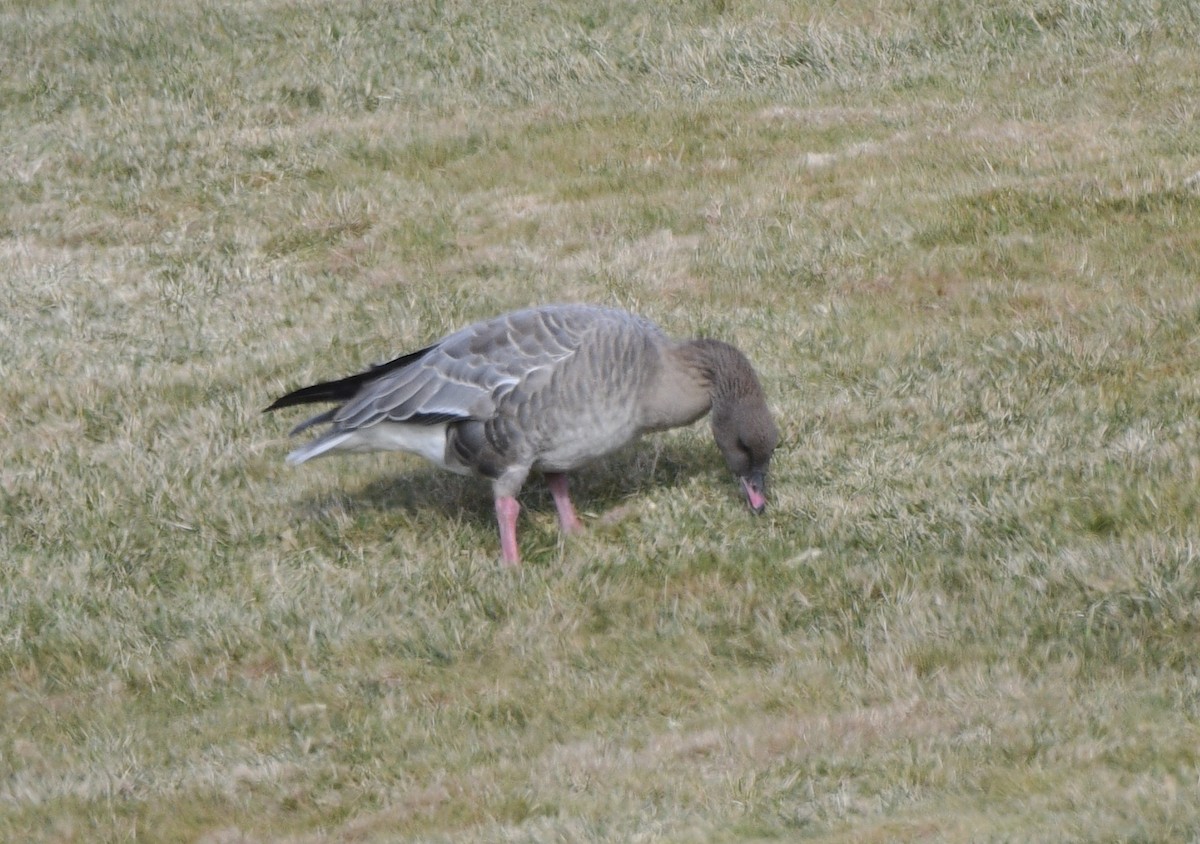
(962, 243)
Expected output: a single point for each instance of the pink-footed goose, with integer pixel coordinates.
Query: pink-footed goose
(547, 388)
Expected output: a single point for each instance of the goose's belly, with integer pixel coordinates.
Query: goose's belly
(575, 441)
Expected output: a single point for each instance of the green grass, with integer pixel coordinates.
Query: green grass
(959, 240)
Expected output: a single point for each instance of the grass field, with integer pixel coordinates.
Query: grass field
(960, 240)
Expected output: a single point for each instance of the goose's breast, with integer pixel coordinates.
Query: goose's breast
(581, 414)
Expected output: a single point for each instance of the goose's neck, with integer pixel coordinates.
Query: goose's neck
(697, 376)
(728, 373)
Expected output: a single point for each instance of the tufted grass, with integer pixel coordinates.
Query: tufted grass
(960, 240)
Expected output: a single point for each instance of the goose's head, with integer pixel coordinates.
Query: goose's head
(746, 435)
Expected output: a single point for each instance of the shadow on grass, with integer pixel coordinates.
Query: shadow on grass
(596, 488)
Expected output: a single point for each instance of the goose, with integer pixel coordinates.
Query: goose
(547, 388)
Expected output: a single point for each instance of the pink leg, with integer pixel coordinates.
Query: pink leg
(567, 518)
(507, 509)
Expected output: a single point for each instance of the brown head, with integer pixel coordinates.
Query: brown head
(747, 436)
(741, 422)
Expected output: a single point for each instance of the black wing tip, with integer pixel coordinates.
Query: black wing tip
(344, 389)
(306, 395)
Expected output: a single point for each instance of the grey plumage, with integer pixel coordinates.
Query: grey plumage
(545, 388)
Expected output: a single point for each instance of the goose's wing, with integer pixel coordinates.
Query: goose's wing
(468, 374)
